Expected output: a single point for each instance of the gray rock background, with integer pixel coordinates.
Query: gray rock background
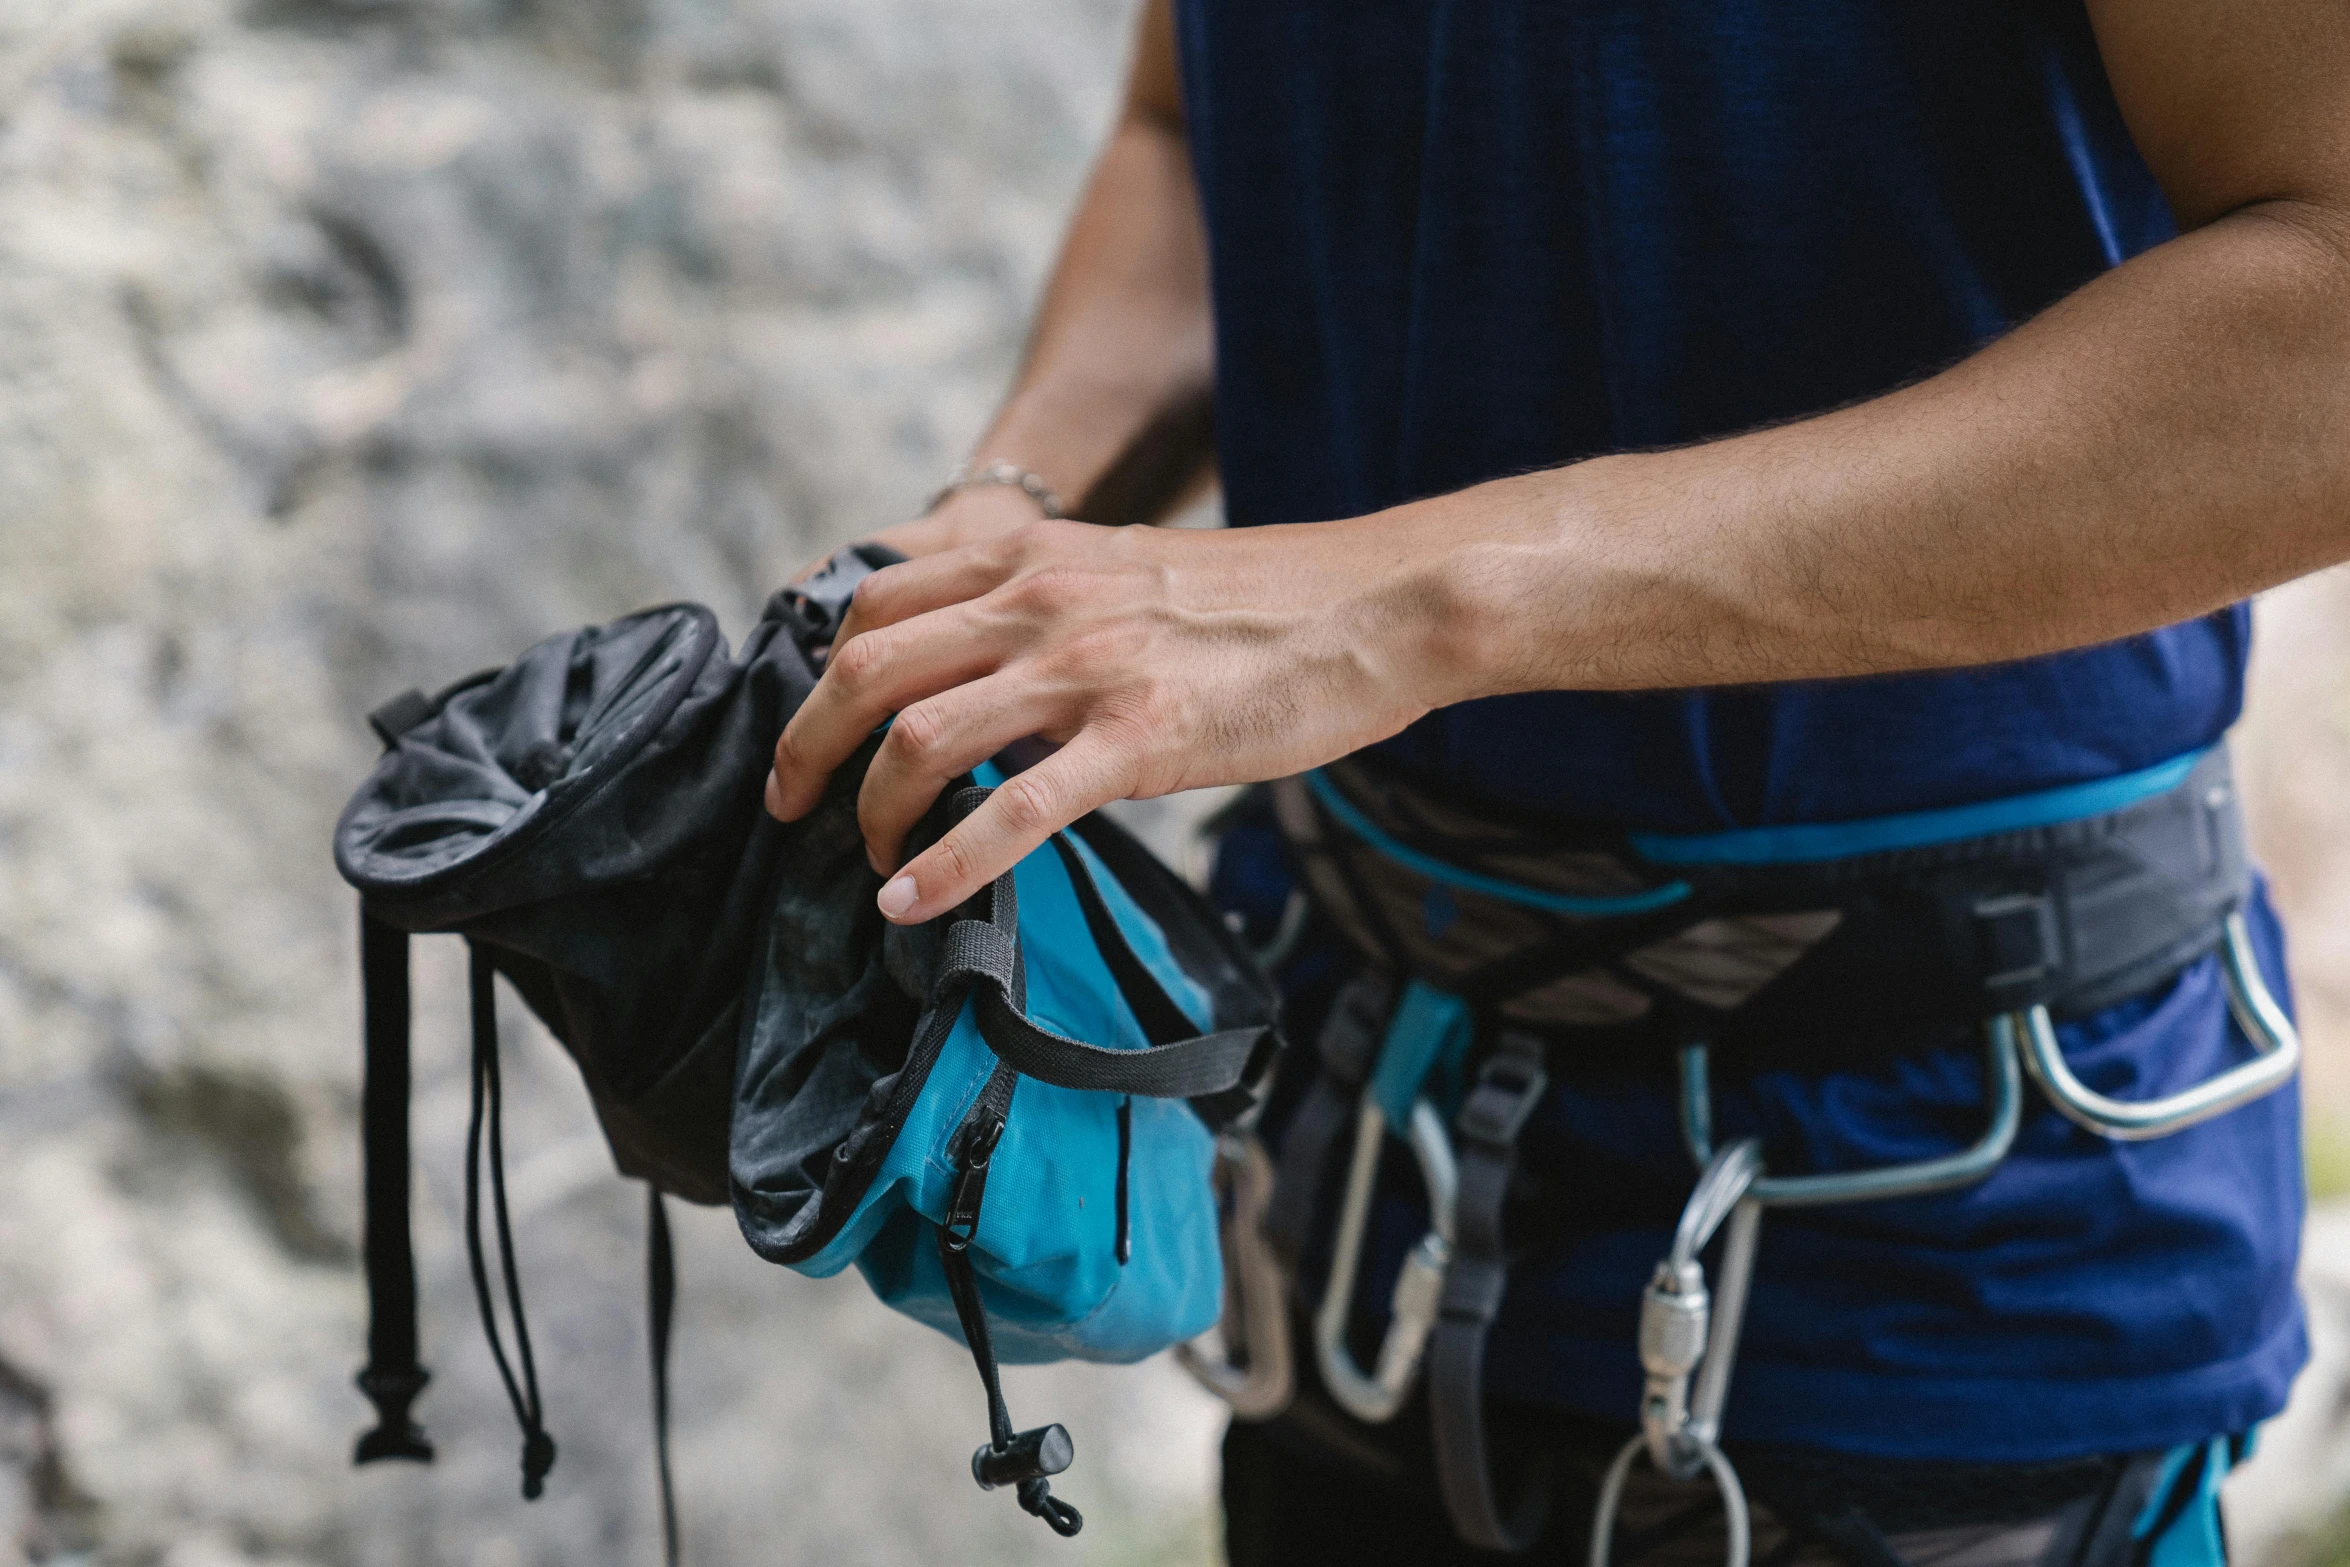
(352, 344)
(348, 346)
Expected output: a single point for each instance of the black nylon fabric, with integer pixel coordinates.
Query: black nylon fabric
(590, 817)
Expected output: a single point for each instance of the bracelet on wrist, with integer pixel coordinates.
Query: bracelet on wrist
(971, 476)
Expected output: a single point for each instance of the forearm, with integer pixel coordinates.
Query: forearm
(2167, 440)
(1111, 403)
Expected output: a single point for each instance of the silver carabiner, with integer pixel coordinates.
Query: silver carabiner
(2255, 1009)
(2003, 1085)
(1736, 1524)
(1376, 1395)
(1259, 1379)
(1680, 1330)
(1685, 1332)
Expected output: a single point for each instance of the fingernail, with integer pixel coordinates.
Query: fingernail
(774, 797)
(896, 897)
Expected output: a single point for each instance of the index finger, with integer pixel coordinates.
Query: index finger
(1020, 814)
(866, 680)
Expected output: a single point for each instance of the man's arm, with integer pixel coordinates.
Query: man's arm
(2170, 438)
(1111, 404)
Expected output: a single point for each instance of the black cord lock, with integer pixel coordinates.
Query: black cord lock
(395, 1434)
(1030, 1455)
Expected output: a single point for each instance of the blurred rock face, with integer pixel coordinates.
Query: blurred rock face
(347, 345)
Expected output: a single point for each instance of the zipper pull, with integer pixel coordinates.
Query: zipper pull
(979, 1144)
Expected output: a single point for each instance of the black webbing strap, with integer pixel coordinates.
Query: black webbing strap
(984, 955)
(1163, 1021)
(1020, 1459)
(661, 1305)
(391, 1378)
(1347, 1047)
(538, 1448)
(1508, 1088)
(1193, 1068)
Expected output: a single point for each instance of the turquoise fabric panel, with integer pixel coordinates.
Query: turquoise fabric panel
(1046, 1251)
(1818, 841)
(1428, 1034)
(2194, 1535)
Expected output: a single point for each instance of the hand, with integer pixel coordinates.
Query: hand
(965, 517)
(1158, 660)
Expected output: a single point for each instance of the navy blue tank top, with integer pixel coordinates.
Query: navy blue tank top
(1456, 239)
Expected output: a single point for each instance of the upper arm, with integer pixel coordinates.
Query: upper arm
(1153, 91)
(2234, 102)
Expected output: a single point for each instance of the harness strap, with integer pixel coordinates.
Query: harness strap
(391, 1378)
(538, 1448)
(1496, 1110)
(661, 1306)
(1348, 1045)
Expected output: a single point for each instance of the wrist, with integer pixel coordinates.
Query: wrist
(1443, 605)
(1001, 473)
(965, 517)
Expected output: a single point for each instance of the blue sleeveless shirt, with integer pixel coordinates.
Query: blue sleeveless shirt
(1456, 239)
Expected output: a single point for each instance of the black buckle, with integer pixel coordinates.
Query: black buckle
(2018, 941)
(1509, 1087)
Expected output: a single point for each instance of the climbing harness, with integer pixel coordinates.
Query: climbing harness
(1488, 943)
(1680, 1430)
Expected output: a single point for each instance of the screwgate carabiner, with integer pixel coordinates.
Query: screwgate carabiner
(1375, 1396)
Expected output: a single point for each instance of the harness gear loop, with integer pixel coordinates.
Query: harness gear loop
(1376, 1396)
(2255, 1008)
(1251, 1371)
